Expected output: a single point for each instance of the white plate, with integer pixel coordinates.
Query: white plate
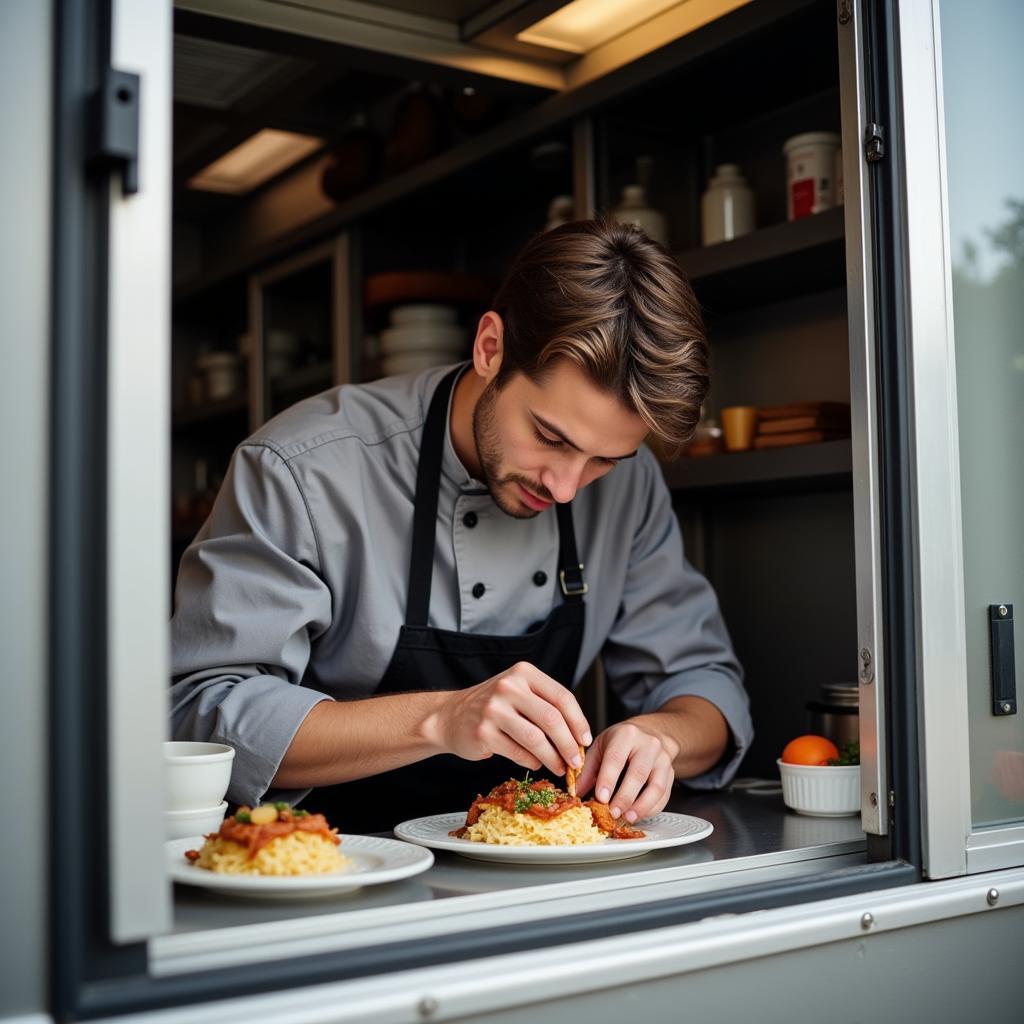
(411, 338)
(663, 830)
(376, 861)
(423, 313)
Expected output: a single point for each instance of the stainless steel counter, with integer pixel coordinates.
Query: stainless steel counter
(755, 839)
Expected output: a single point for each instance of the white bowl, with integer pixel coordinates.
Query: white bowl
(417, 338)
(183, 824)
(823, 791)
(423, 313)
(413, 362)
(196, 775)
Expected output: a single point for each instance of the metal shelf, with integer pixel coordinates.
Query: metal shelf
(769, 265)
(808, 467)
(193, 416)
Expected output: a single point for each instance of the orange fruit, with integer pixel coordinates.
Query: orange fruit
(809, 750)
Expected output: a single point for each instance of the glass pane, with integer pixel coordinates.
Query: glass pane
(983, 82)
(297, 336)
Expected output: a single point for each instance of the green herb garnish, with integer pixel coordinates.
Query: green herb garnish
(528, 797)
(300, 814)
(849, 754)
(282, 805)
(243, 817)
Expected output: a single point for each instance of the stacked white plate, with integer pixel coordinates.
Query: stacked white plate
(421, 336)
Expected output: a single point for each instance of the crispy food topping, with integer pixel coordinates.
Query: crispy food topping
(610, 826)
(572, 774)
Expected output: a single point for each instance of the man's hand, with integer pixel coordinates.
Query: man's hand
(630, 767)
(521, 714)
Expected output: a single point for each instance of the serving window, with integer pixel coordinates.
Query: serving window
(291, 285)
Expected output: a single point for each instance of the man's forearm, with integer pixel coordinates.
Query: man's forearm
(345, 740)
(693, 730)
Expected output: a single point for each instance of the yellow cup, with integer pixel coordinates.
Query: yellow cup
(739, 422)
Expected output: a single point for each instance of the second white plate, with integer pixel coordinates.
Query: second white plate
(663, 830)
(374, 861)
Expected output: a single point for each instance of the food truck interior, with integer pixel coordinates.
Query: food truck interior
(333, 166)
(418, 183)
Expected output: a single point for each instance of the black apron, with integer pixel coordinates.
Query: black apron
(442, 659)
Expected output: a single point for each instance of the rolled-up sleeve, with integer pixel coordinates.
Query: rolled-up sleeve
(248, 604)
(668, 639)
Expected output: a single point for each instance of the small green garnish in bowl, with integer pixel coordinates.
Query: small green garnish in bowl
(849, 754)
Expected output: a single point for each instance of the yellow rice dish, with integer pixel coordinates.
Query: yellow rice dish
(272, 839)
(538, 814)
(572, 827)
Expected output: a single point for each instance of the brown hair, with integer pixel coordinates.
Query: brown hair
(605, 296)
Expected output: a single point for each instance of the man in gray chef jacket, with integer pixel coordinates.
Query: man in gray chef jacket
(401, 582)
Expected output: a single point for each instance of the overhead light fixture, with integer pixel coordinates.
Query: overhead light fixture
(255, 161)
(583, 25)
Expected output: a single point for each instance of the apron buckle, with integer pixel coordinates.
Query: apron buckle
(573, 584)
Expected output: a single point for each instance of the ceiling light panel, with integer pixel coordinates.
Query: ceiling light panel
(583, 25)
(255, 161)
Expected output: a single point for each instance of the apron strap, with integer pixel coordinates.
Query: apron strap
(570, 569)
(428, 485)
(424, 526)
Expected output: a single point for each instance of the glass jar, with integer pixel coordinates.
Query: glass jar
(634, 210)
(727, 206)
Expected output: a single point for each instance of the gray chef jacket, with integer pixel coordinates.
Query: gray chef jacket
(294, 589)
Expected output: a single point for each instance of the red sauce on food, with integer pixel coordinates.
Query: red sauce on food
(255, 837)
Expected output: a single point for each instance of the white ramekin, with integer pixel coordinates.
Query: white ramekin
(185, 824)
(823, 791)
(196, 775)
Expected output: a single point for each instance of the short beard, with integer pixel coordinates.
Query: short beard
(488, 452)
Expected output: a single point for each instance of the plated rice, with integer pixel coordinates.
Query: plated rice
(524, 813)
(272, 839)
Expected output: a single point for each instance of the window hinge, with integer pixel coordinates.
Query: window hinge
(874, 142)
(114, 127)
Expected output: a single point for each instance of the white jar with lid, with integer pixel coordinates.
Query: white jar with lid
(810, 173)
(727, 206)
(222, 373)
(634, 210)
(561, 210)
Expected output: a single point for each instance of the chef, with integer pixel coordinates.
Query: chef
(401, 583)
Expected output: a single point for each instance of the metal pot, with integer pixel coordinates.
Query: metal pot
(835, 715)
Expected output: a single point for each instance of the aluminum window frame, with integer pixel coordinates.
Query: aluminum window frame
(952, 846)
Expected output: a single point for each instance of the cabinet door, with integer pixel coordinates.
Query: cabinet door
(299, 317)
(962, 75)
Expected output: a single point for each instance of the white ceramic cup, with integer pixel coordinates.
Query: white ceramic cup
(184, 824)
(196, 775)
